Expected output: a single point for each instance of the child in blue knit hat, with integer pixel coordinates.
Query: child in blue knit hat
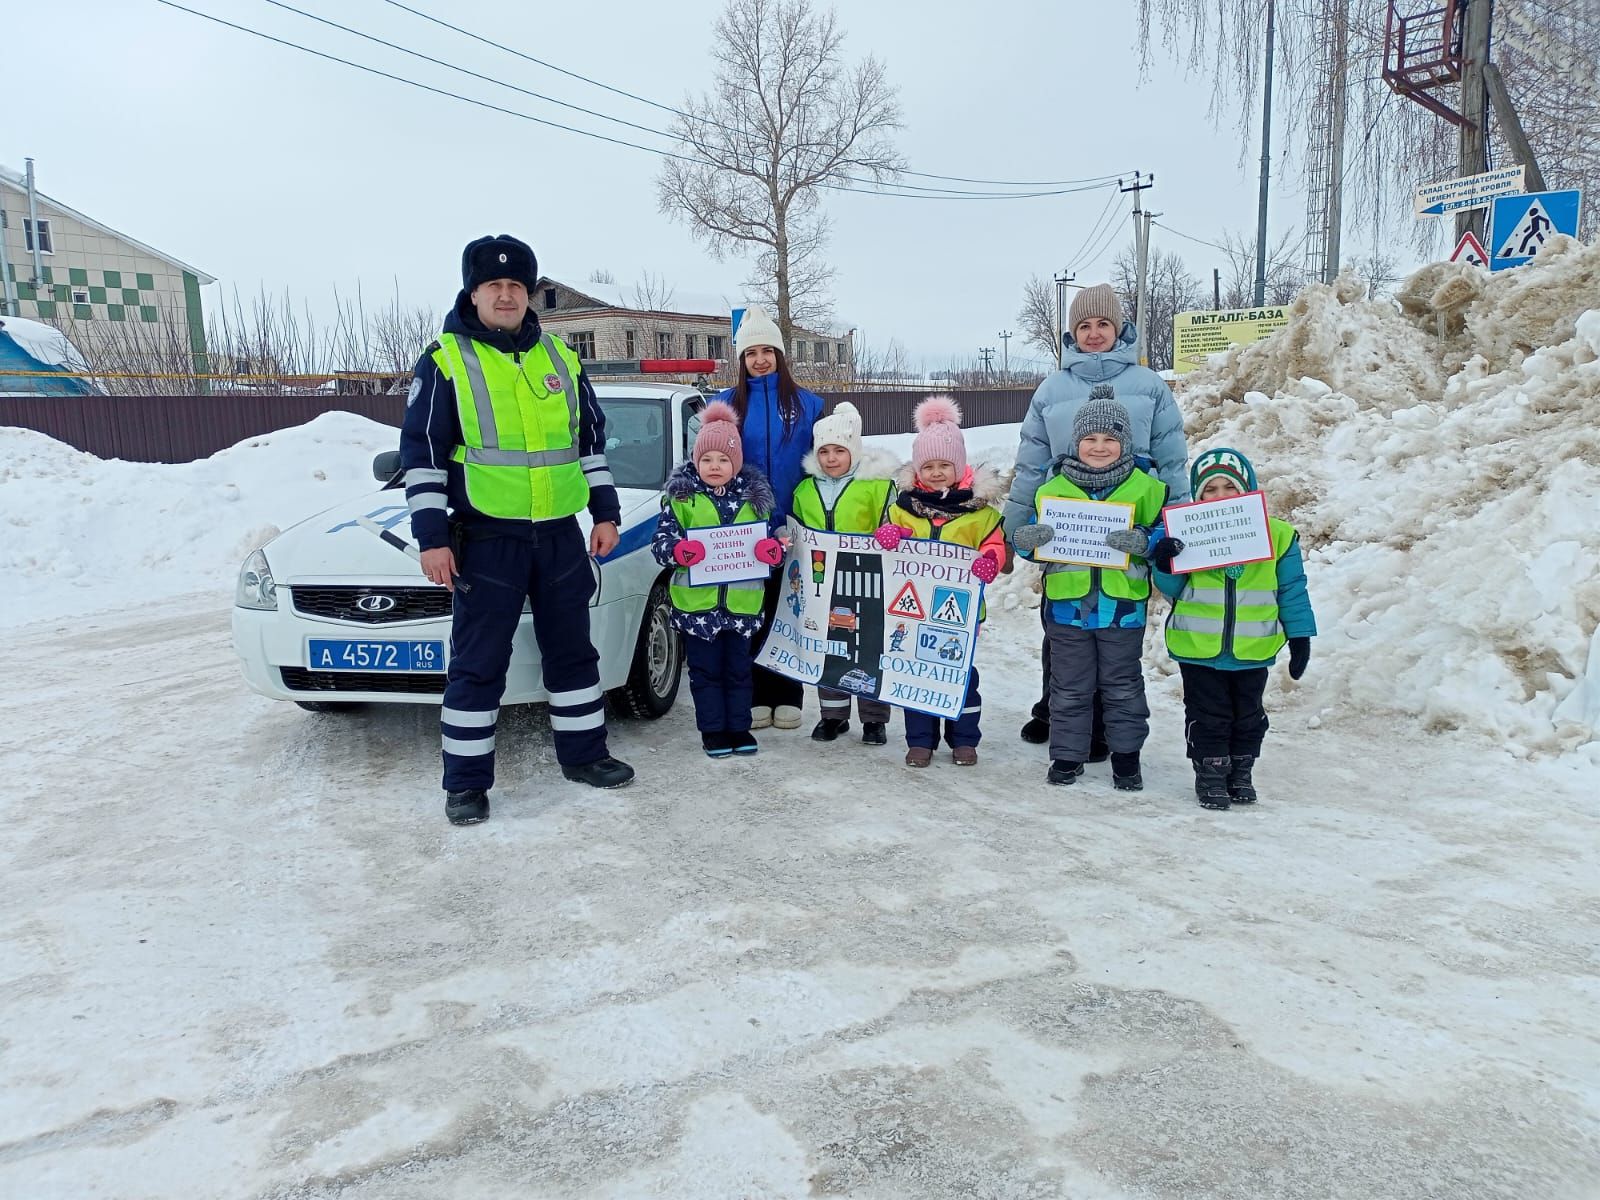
(1226, 628)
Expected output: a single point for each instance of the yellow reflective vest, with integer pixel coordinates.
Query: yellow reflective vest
(1072, 581)
(859, 508)
(741, 597)
(1215, 614)
(519, 427)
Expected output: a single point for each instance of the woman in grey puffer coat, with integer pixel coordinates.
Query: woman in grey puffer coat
(1099, 352)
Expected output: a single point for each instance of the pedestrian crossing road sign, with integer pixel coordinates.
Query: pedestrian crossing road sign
(950, 606)
(1519, 225)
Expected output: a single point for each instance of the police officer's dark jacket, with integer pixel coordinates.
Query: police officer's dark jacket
(431, 432)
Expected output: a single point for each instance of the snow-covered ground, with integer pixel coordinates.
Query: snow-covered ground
(242, 954)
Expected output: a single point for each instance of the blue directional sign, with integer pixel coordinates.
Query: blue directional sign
(1519, 225)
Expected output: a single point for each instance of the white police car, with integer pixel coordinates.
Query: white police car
(329, 614)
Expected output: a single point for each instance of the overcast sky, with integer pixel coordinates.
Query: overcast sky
(262, 165)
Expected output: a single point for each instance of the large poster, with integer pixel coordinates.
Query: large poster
(893, 625)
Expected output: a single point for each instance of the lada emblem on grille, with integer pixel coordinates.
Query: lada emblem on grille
(375, 604)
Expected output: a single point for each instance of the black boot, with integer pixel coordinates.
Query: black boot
(829, 728)
(742, 741)
(1099, 752)
(716, 744)
(467, 807)
(874, 733)
(1241, 789)
(1125, 776)
(1211, 782)
(1037, 730)
(1062, 771)
(605, 772)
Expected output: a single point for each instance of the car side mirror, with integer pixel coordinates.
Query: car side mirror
(386, 466)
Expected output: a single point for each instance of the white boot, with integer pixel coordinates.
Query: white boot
(786, 716)
(761, 717)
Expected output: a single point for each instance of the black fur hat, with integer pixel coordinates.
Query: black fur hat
(498, 257)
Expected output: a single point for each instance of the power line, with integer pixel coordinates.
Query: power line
(1228, 250)
(678, 112)
(871, 187)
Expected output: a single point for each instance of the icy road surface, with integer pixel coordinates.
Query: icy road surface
(243, 955)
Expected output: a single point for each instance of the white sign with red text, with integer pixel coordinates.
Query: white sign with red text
(730, 555)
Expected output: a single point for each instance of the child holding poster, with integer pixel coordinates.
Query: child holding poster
(845, 490)
(1096, 587)
(944, 499)
(712, 491)
(1226, 628)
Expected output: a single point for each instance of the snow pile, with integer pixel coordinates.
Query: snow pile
(1442, 462)
(82, 533)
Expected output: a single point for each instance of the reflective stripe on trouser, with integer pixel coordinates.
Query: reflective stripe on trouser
(553, 573)
(1084, 664)
(836, 706)
(1223, 713)
(720, 681)
(923, 729)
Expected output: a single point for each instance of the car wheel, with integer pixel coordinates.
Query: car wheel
(327, 706)
(657, 661)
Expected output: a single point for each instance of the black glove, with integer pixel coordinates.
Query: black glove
(1299, 656)
(1164, 551)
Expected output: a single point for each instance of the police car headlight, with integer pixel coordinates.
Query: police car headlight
(256, 588)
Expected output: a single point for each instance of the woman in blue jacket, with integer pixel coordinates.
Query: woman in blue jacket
(775, 419)
(1099, 357)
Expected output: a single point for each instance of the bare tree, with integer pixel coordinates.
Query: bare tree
(1037, 316)
(1546, 50)
(786, 118)
(1172, 288)
(1378, 269)
(601, 275)
(1284, 274)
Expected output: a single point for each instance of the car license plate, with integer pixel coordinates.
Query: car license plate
(327, 654)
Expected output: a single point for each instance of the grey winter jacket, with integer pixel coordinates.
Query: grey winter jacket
(1047, 428)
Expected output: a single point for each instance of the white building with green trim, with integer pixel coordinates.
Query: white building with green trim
(86, 271)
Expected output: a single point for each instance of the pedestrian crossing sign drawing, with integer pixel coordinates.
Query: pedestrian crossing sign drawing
(907, 603)
(1519, 225)
(950, 606)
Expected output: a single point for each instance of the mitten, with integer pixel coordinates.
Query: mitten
(688, 552)
(1299, 656)
(769, 551)
(986, 566)
(888, 535)
(1130, 541)
(1029, 538)
(1164, 551)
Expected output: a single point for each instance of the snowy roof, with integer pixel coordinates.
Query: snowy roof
(713, 305)
(19, 181)
(46, 344)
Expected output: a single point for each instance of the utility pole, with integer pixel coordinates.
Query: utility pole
(1478, 20)
(1005, 355)
(1141, 241)
(1266, 160)
(1062, 282)
(1216, 289)
(1338, 13)
(986, 353)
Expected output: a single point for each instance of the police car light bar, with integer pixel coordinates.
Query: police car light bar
(650, 366)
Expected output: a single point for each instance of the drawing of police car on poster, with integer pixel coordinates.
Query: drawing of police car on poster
(330, 615)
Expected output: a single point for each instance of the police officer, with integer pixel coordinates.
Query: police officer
(503, 442)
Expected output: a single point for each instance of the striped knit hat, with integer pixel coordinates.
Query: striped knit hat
(1225, 462)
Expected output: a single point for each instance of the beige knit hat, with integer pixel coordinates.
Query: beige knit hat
(1098, 301)
(756, 329)
(841, 427)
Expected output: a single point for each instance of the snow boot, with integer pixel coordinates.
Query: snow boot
(1036, 731)
(716, 744)
(1125, 776)
(829, 728)
(467, 807)
(605, 772)
(742, 741)
(1099, 752)
(1241, 789)
(874, 733)
(1211, 782)
(918, 756)
(1062, 771)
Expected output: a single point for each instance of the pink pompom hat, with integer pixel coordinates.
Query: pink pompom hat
(938, 423)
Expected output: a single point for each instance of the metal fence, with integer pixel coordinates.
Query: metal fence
(175, 429)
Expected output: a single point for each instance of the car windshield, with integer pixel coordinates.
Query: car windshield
(638, 437)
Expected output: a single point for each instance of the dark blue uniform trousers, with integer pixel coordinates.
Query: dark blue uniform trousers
(721, 681)
(553, 572)
(923, 729)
